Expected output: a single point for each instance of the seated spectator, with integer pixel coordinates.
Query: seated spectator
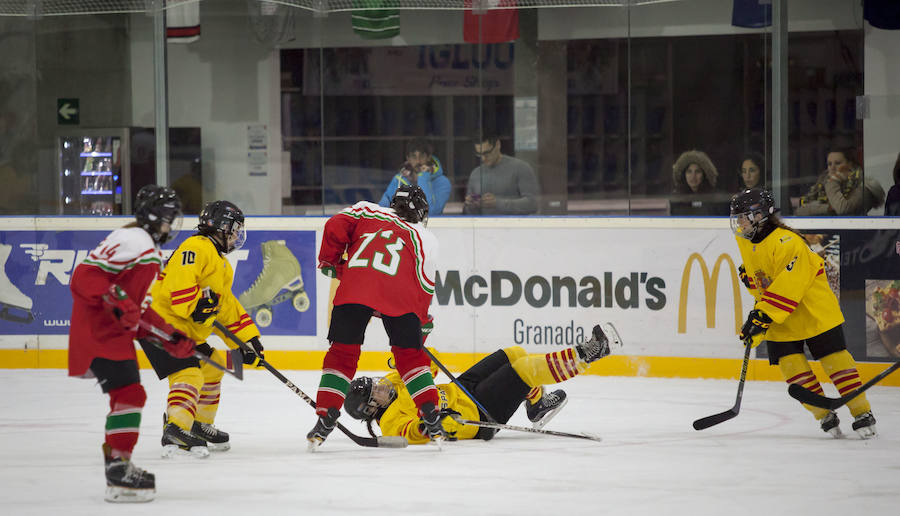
(892, 203)
(752, 171)
(423, 168)
(840, 189)
(694, 177)
(501, 184)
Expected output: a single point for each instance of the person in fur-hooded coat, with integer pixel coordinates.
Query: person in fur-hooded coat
(694, 177)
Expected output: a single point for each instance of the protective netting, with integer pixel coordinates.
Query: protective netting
(35, 8)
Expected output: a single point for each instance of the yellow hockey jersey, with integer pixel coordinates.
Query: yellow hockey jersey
(193, 267)
(402, 417)
(789, 283)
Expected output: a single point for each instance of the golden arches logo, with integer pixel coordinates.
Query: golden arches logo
(710, 284)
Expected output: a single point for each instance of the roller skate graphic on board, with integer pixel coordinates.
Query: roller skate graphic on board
(278, 281)
(14, 305)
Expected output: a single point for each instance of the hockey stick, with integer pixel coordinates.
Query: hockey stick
(502, 426)
(817, 400)
(455, 381)
(237, 360)
(708, 421)
(371, 442)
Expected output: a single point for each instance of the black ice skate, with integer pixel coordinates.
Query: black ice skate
(595, 348)
(546, 408)
(431, 420)
(126, 482)
(832, 425)
(216, 440)
(324, 426)
(864, 425)
(177, 442)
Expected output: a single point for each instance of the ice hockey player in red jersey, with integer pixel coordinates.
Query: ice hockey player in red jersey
(108, 313)
(389, 270)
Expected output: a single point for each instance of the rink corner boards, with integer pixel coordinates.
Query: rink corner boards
(616, 365)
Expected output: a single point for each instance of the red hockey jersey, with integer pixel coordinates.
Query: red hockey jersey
(390, 265)
(129, 258)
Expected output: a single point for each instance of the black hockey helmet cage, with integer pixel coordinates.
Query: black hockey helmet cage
(359, 403)
(410, 204)
(750, 211)
(225, 221)
(154, 206)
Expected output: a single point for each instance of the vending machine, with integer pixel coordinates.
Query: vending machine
(101, 170)
(92, 178)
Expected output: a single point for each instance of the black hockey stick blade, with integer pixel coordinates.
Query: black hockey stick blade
(713, 420)
(371, 442)
(502, 426)
(817, 400)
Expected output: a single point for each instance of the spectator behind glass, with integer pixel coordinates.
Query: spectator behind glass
(694, 177)
(501, 184)
(752, 171)
(840, 189)
(423, 168)
(892, 203)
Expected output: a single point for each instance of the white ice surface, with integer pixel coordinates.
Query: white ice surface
(770, 460)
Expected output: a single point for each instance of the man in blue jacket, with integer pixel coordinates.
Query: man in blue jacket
(424, 169)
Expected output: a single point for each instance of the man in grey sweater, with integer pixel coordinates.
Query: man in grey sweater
(501, 185)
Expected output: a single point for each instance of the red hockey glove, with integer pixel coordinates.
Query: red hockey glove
(117, 303)
(180, 346)
(331, 270)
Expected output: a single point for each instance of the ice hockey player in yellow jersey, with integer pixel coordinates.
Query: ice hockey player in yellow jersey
(794, 307)
(500, 382)
(191, 292)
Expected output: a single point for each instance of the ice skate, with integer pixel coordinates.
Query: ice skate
(126, 482)
(324, 426)
(596, 347)
(831, 425)
(864, 425)
(546, 408)
(216, 440)
(14, 304)
(278, 281)
(177, 442)
(432, 422)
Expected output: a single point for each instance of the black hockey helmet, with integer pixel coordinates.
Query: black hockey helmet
(154, 206)
(750, 211)
(360, 402)
(225, 221)
(410, 204)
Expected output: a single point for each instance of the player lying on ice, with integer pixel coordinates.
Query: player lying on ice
(500, 382)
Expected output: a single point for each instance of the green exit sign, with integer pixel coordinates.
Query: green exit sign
(67, 112)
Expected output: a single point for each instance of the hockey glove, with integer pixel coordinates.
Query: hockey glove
(252, 358)
(742, 273)
(331, 270)
(119, 305)
(180, 346)
(207, 308)
(756, 326)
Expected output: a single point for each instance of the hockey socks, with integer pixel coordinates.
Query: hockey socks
(537, 370)
(124, 419)
(210, 391)
(795, 369)
(414, 368)
(841, 367)
(338, 369)
(184, 395)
